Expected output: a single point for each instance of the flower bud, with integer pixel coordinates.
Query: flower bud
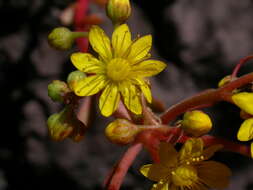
(74, 77)
(57, 89)
(118, 10)
(62, 38)
(121, 131)
(244, 100)
(196, 123)
(65, 124)
(245, 132)
(224, 81)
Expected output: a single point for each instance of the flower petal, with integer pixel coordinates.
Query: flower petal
(154, 172)
(90, 85)
(100, 42)
(131, 97)
(163, 186)
(209, 151)
(144, 88)
(168, 154)
(192, 148)
(140, 48)
(148, 68)
(245, 132)
(86, 63)
(214, 174)
(121, 40)
(109, 100)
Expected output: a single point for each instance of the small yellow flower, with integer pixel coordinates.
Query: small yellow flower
(187, 170)
(244, 100)
(120, 70)
(245, 132)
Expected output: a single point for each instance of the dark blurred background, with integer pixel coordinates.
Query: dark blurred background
(200, 40)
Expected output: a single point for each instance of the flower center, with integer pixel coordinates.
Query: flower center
(118, 69)
(184, 175)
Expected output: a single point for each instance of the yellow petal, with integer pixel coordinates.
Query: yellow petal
(154, 172)
(121, 40)
(100, 42)
(148, 68)
(144, 88)
(244, 100)
(168, 154)
(214, 174)
(209, 151)
(245, 132)
(251, 148)
(90, 85)
(131, 97)
(86, 63)
(191, 148)
(163, 186)
(140, 48)
(109, 100)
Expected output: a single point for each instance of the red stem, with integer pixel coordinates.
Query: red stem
(228, 145)
(208, 97)
(238, 66)
(80, 13)
(115, 179)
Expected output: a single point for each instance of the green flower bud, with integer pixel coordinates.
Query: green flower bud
(196, 123)
(65, 124)
(121, 131)
(118, 10)
(74, 77)
(62, 38)
(57, 89)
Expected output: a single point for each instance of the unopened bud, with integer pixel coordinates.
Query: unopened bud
(57, 89)
(65, 124)
(224, 81)
(121, 131)
(245, 132)
(118, 10)
(196, 123)
(74, 77)
(244, 100)
(62, 38)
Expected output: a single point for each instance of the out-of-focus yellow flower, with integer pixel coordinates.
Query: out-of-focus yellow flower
(244, 100)
(187, 170)
(120, 70)
(196, 123)
(245, 132)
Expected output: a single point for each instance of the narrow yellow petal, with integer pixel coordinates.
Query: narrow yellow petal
(144, 88)
(214, 174)
(154, 172)
(100, 42)
(191, 148)
(168, 155)
(86, 63)
(109, 100)
(121, 40)
(148, 68)
(245, 132)
(90, 85)
(140, 48)
(131, 97)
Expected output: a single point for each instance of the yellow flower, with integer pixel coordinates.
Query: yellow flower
(244, 100)
(120, 70)
(187, 170)
(245, 132)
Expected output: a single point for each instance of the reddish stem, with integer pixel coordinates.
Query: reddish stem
(80, 13)
(239, 65)
(228, 145)
(115, 179)
(208, 97)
